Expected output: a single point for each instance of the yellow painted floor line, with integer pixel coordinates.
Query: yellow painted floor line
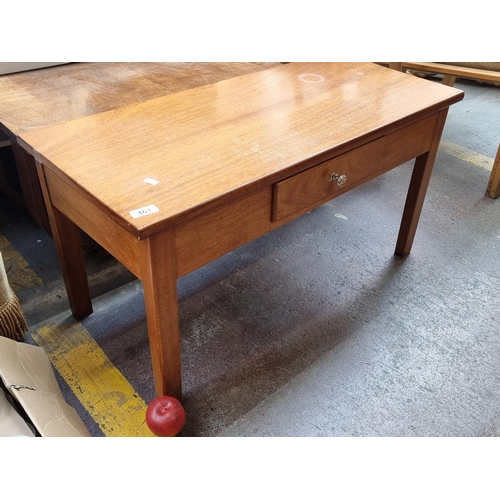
(20, 275)
(100, 387)
(97, 383)
(466, 155)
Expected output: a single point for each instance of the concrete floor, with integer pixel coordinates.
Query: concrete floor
(317, 329)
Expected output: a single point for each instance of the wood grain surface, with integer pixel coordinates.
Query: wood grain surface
(208, 145)
(35, 99)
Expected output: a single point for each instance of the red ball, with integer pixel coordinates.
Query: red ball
(165, 416)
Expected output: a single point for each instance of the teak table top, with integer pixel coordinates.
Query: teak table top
(34, 99)
(210, 144)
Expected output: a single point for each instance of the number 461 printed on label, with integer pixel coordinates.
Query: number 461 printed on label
(141, 212)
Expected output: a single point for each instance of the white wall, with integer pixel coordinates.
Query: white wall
(14, 67)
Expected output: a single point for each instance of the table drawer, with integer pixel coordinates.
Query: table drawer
(315, 186)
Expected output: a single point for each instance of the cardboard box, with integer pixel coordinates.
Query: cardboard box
(26, 374)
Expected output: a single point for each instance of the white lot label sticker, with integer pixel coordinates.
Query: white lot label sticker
(141, 212)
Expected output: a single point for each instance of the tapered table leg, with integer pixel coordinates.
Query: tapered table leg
(159, 278)
(417, 190)
(493, 189)
(30, 185)
(69, 249)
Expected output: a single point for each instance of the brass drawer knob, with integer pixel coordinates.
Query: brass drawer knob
(340, 179)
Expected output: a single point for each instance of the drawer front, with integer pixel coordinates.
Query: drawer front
(317, 185)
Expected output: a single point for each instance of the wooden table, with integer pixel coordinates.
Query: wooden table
(34, 99)
(450, 73)
(173, 183)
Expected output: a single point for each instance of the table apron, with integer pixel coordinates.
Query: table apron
(221, 230)
(96, 223)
